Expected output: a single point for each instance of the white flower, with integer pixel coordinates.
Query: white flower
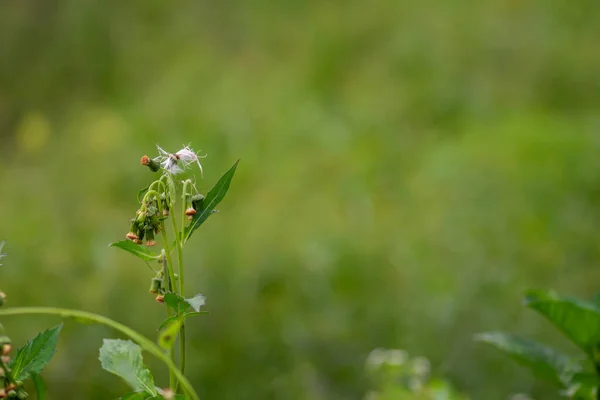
(176, 163)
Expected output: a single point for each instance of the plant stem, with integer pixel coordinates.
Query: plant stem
(181, 286)
(144, 343)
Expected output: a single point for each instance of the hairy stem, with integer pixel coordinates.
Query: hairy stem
(144, 343)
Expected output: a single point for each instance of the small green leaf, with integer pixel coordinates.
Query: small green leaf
(124, 358)
(33, 357)
(545, 362)
(213, 198)
(196, 302)
(142, 192)
(40, 387)
(579, 320)
(176, 302)
(139, 251)
(166, 338)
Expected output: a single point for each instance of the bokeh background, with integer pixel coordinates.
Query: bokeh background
(407, 170)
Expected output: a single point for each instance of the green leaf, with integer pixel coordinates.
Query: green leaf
(167, 336)
(124, 358)
(176, 302)
(40, 387)
(33, 357)
(183, 317)
(139, 251)
(180, 305)
(213, 198)
(142, 192)
(545, 362)
(579, 320)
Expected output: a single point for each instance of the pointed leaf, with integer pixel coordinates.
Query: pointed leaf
(579, 320)
(33, 357)
(139, 251)
(124, 358)
(40, 387)
(196, 302)
(167, 336)
(213, 198)
(545, 362)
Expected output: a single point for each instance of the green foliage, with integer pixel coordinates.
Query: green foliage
(33, 357)
(544, 361)
(579, 321)
(210, 202)
(181, 305)
(139, 251)
(168, 334)
(124, 358)
(2, 255)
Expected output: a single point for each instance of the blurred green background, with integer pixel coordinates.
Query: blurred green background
(407, 170)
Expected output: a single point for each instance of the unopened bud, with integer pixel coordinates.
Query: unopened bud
(5, 359)
(168, 394)
(2, 393)
(160, 298)
(155, 285)
(190, 211)
(6, 349)
(11, 386)
(150, 163)
(150, 237)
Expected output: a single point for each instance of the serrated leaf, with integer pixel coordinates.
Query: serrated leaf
(139, 251)
(545, 362)
(124, 358)
(166, 338)
(213, 198)
(39, 386)
(579, 320)
(196, 302)
(33, 357)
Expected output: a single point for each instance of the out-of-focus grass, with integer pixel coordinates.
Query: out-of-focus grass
(407, 170)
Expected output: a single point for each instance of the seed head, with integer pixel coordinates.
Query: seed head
(176, 163)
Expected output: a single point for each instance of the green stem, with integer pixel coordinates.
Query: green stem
(144, 343)
(181, 283)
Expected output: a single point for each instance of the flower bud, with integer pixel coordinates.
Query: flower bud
(156, 285)
(133, 228)
(150, 238)
(6, 349)
(2, 298)
(197, 201)
(150, 163)
(5, 359)
(160, 298)
(190, 211)
(2, 393)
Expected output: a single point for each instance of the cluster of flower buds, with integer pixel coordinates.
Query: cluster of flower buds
(146, 224)
(9, 389)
